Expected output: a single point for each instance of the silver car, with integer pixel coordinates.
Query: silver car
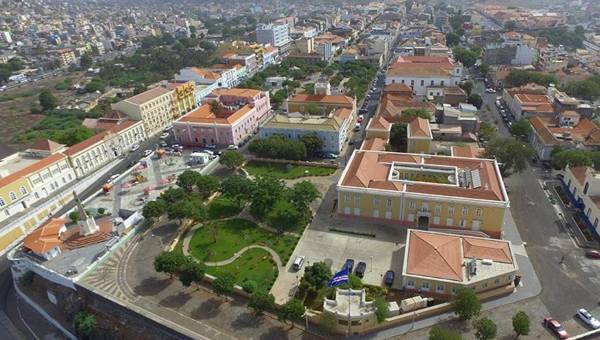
(588, 318)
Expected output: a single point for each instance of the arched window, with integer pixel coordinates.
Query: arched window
(23, 190)
(2, 203)
(12, 195)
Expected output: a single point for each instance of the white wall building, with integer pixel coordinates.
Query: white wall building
(275, 34)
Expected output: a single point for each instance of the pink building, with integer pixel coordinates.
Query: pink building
(236, 116)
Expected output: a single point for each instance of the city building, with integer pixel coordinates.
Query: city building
(301, 102)
(185, 96)
(277, 35)
(27, 178)
(525, 105)
(566, 130)
(418, 136)
(422, 72)
(582, 185)
(332, 128)
(425, 191)
(513, 48)
(438, 264)
(246, 59)
(104, 147)
(228, 117)
(66, 56)
(154, 107)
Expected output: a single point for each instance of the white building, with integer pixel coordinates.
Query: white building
(275, 34)
(422, 72)
(155, 108)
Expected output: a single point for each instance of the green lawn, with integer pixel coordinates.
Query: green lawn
(285, 171)
(255, 264)
(233, 235)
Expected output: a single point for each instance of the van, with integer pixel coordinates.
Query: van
(298, 262)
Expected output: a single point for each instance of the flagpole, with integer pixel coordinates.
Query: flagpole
(349, 321)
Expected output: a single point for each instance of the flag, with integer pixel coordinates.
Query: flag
(339, 278)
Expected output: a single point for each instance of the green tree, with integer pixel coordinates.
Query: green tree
(475, 100)
(523, 77)
(486, 329)
(398, 137)
(47, 100)
(154, 209)
(317, 275)
(249, 286)
(466, 304)
(74, 216)
(465, 56)
(187, 180)
(484, 69)
(292, 310)
(224, 283)
(572, 158)
(207, 185)
(86, 61)
(232, 159)
(267, 190)
(487, 131)
(302, 194)
(467, 86)
(520, 323)
(416, 112)
(173, 195)
(283, 216)
(74, 135)
(96, 84)
(354, 282)
(381, 309)
(191, 272)
(239, 188)
(439, 333)
(511, 154)
(169, 262)
(452, 39)
(85, 323)
(260, 301)
(521, 129)
(313, 144)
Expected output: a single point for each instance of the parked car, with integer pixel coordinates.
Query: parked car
(349, 264)
(134, 147)
(587, 318)
(163, 144)
(360, 269)
(147, 153)
(490, 90)
(211, 146)
(555, 327)
(168, 128)
(298, 262)
(388, 278)
(330, 156)
(592, 254)
(164, 135)
(232, 147)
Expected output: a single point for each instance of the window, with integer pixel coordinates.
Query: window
(410, 284)
(375, 200)
(23, 190)
(463, 223)
(596, 222)
(450, 211)
(425, 286)
(484, 285)
(465, 211)
(2, 203)
(438, 209)
(422, 82)
(497, 281)
(432, 83)
(509, 278)
(440, 288)
(6, 212)
(388, 203)
(478, 212)
(454, 290)
(12, 195)
(442, 83)
(411, 204)
(357, 200)
(37, 196)
(347, 197)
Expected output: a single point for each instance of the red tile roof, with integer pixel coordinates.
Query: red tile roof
(205, 115)
(324, 99)
(579, 173)
(45, 237)
(77, 148)
(419, 127)
(31, 169)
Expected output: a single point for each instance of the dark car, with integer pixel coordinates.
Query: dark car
(360, 269)
(592, 254)
(388, 278)
(349, 265)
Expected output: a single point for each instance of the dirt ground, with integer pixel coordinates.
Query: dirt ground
(15, 114)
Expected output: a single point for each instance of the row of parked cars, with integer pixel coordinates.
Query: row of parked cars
(582, 314)
(505, 113)
(361, 267)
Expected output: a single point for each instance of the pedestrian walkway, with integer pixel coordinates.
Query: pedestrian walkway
(241, 252)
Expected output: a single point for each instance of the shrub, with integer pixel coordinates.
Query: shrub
(249, 286)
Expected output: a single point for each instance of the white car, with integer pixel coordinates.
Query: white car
(147, 153)
(113, 178)
(587, 318)
(134, 147)
(490, 90)
(232, 147)
(164, 135)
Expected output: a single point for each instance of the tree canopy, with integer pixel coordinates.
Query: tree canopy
(466, 56)
(466, 304)
(520, 323)
(523, 77)
(439, 333)
(317, 275)
(485, 329)
(232, 159)
(278, 146)
(511, 154)
(47, 100)
(260, 301)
